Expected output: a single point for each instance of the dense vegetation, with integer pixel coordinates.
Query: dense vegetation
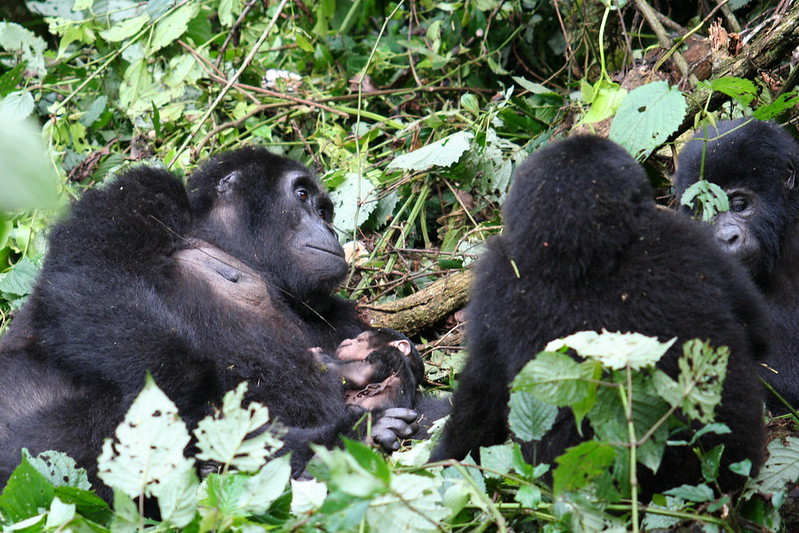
(415, 114)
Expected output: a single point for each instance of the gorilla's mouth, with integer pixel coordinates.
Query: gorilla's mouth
(339, 252)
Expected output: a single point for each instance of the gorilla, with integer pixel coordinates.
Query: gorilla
(224, 280)
(586, 248)
(755, 163)
(378, 369)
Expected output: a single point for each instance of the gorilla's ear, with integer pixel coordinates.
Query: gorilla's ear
(227, 183)
(790, 181)
(402, 345)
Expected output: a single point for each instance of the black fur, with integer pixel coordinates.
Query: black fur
(229, 282)
(585, 248)
(757, 161)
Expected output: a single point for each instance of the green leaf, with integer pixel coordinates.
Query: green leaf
(346, 475)
(147, 451)
(222, 437)
(615, 350)
(581, 465)
(697, 390)
(535, 88)
(783, 103)
(10, 79)
(529, 417)
(26, 493)
(173, 26)
(27, 177)
(780, 469)
(95, 111)
(740, 89)
(497, 460)
(556, 379)
(136, 81)
(529, 496)
(646, 118)
(469, 103)
(368, 458)
(126, 514)
(610, 424)
(605, 98)
(124, 30)
(441, 153)
(21, 279)
(226, 14)
(414, 504)
(711, 462)
(89, 504)
(303, 43)
(693, 493)
(354, 199)
(223, 493)
(712, 199)
(177, 499)
(266, 486)
(59, 469)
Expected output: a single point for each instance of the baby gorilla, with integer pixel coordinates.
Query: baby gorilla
(378, 369)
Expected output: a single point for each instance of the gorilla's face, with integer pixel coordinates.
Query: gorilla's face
(272, 213)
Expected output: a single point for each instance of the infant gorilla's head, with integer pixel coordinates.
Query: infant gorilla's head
(379, 339)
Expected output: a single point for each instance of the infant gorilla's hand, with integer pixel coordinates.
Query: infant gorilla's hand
(394, 424)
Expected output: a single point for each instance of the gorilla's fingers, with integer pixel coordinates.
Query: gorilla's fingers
(408, 415)
(388, 430)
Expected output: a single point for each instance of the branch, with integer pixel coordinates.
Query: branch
(765, 51)
(424, 308)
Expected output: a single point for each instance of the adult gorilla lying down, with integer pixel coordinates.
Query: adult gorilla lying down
(225, 280)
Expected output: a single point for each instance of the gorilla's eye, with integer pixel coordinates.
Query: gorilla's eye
(302, 194)
(738, 204)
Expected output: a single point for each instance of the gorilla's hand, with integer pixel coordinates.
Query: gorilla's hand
(394, 424)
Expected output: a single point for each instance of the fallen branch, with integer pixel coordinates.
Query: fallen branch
(764, 51)
(424, 308)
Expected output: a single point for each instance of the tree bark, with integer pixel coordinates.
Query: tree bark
(422, 309)
(764, 51)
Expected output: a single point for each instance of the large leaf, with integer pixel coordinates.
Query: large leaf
(267, 485)
(615, 350)
(697, 390)
(646, 118)
(148, 449)
(529, 417)
(15, 38)
(581, 465)
(27, 179)
(126, 29)
(17, 105)
(442, 153)
(414, 504)
(173, 26)
(354, 199)
(26, 493)
(555, 378)
(781, 468)
(223, 436)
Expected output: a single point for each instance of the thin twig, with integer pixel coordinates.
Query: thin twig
(230, 83)
(665, 42)
(233, 31)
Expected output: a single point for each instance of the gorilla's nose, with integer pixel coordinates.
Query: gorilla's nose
(729, 238)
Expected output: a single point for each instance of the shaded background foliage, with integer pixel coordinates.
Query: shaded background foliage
(414, 113)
